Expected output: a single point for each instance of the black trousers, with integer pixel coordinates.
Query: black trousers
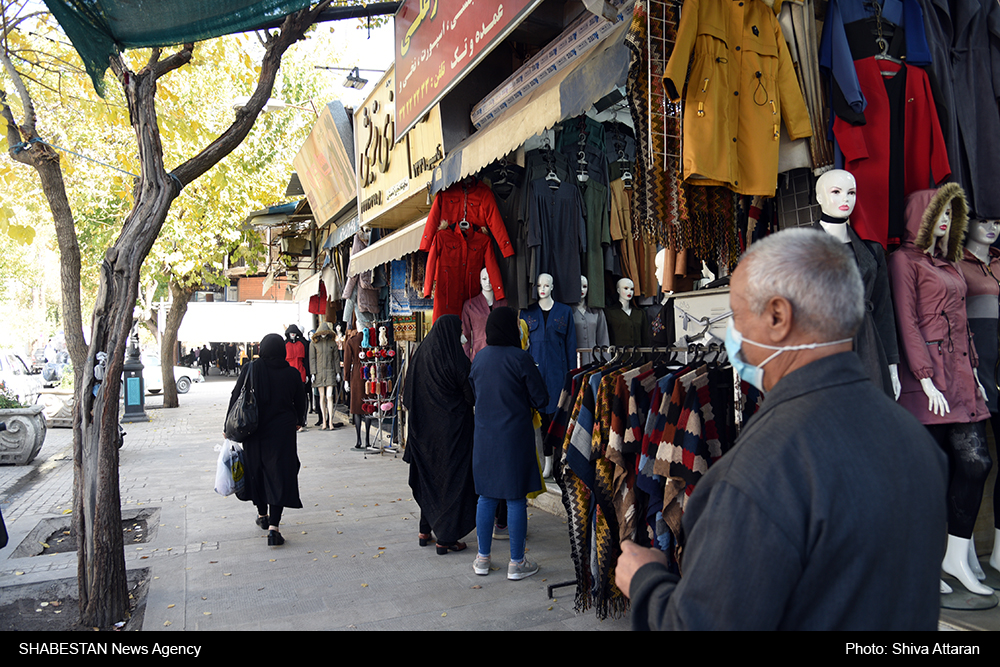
(273, 513)
(969, 465)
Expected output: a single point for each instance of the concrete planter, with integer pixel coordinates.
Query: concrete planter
(57, 407)
(21, 442)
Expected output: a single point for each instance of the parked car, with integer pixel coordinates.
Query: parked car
(152, 375)
(37, 361)
(16, 376)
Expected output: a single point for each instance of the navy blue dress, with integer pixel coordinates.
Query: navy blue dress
(506, 384)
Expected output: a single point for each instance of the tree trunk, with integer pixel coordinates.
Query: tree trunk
(179, 297)
(97, 502)
(45, 161)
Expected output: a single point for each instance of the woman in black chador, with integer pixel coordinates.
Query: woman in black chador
(272, 463)
(439, 447)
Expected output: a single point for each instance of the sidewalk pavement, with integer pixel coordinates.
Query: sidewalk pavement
(350, 561)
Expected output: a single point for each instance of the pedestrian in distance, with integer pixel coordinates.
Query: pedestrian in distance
(271, 459)
(507, 385)
(439, 398)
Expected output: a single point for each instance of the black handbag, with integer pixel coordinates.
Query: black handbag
(241, 421)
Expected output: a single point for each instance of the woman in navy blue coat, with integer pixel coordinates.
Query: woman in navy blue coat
(507, 385)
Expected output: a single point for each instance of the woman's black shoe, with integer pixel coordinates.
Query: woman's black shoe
(263, 521)
(274, 539)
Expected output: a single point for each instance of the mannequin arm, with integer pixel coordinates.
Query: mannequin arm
(982, 390)
(894, 375)
(936, 401)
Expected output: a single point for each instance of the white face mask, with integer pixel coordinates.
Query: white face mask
(755, 374)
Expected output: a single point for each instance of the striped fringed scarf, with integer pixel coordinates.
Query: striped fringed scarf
(656, 182)
(576, 494)
(608, 599)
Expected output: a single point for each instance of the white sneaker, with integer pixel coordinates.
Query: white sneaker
(481, 565)
(521, 570)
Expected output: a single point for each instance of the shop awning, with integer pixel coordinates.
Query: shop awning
(306, 288)
(565, 95)
(401, 242)
(238, 321)
(279, 214)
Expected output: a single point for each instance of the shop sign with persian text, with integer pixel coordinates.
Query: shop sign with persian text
(392, 171)
(439, 41)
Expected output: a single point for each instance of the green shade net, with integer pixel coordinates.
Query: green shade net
(101, 29)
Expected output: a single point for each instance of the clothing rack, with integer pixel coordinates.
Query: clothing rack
(700, 350)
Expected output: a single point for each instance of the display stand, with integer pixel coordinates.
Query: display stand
(381, 388)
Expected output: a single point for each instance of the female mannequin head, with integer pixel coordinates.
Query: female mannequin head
(545, 285)
(626, 289)
(484, 281)
(941, 230)
(584, 288)
(982, 234)
(983, 231)
(836, 192)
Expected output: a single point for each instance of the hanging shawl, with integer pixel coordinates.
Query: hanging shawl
(439, 448)
(656, 206)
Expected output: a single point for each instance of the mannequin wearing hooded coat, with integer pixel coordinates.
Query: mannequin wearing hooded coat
(324, 360)
(297, 356)
(937, 364)
(981, 266)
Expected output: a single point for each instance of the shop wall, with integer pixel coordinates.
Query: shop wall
(252, 289)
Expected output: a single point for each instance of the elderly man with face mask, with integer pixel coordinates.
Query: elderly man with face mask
(829, 512)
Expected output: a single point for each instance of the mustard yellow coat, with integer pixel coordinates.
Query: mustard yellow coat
(742, 85)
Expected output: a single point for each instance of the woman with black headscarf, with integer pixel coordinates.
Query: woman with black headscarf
(439, 447)
(272, 463)
(507, 385)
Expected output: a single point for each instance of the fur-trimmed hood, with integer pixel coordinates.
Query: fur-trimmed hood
(923, 209)
(324, 331)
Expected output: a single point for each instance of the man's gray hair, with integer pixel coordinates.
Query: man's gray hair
(817, 275)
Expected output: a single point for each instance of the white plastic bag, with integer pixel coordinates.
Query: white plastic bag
(229, 471)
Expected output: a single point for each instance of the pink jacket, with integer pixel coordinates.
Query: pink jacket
(931, 321)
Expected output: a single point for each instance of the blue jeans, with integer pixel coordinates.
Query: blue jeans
(517, 525)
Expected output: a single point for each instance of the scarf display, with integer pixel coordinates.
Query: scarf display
(633, 440)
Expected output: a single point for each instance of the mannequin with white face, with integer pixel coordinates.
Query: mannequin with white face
(937, 403)
(584, 289)
(484, 282)
(983, 320)
(941, 232)
(475, 311)
(930, 295)
(836, 193)
(545, 285)
(591, 324)
(982, 234)
(626, 290)
(627, 324)
(552, 345)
